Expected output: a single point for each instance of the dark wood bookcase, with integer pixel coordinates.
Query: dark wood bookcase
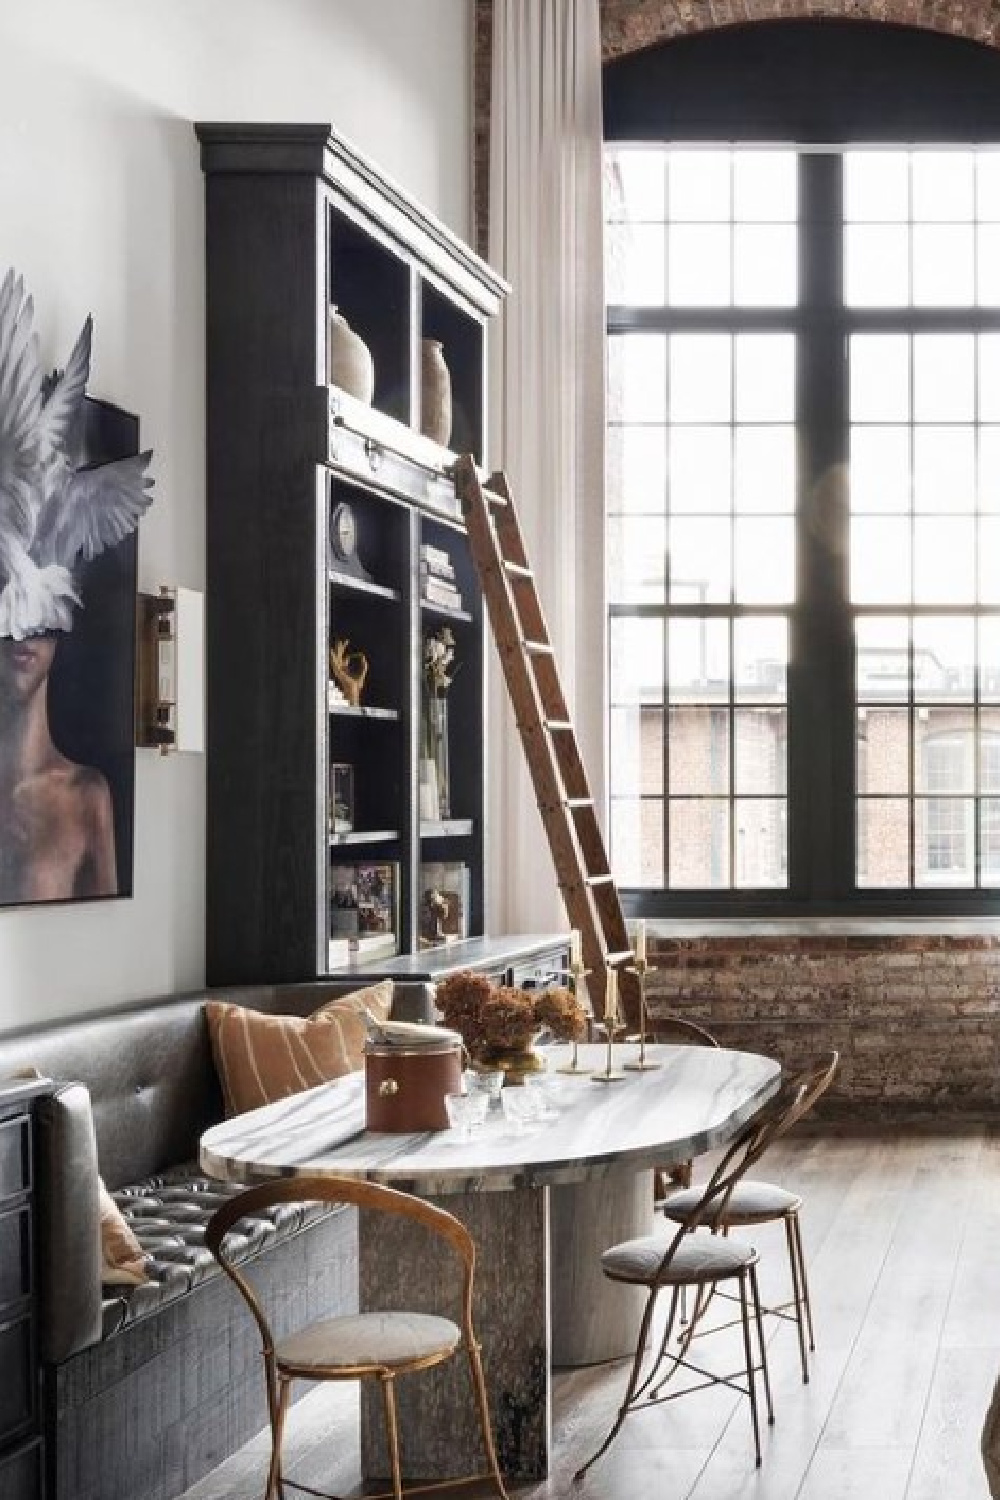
(296, 221)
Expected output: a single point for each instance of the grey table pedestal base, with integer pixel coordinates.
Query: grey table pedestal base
(403, 1267)
(594, 1319)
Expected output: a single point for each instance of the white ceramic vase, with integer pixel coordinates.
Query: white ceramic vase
(435, 393)
(349, 359)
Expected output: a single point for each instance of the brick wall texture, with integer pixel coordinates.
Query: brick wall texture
(916, 1020)
(629, 25)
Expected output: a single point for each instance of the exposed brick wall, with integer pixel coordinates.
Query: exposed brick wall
(916, 1020)
(630, 25)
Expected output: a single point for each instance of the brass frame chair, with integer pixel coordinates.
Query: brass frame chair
(432, 1340)
(669, 1027)
(753, 1203)
(700, 1261)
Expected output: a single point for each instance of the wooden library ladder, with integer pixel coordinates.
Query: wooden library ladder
(550, 744)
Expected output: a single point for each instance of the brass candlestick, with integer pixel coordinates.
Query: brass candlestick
(642, 1064)
(612, 1025)
(574, 973)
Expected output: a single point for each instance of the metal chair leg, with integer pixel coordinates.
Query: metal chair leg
(804, 1280)
(483, 1405)
(392, 1434)
(633, 1381)
(758, 1314)
(748, 1355)
(797, 1294)
(278, 1392)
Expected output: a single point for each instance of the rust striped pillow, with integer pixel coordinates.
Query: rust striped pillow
(260, 1058)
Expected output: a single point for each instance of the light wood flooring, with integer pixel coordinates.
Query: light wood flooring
(902, 1236)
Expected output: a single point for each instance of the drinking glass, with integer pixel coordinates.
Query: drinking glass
(465, 1111)
(487, 1082)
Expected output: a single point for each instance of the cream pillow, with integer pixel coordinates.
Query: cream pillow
(261, 1058)
(123, 1260)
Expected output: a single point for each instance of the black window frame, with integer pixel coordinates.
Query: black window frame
(812, 84)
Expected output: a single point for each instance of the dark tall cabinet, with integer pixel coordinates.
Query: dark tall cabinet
(311, 798)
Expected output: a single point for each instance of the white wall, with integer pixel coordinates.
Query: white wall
(101, 209)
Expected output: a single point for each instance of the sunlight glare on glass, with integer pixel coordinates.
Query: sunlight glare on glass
(944, 377)
(988, 265)
(876, 265)
(880, 560)
(637, 469)
(880, 469)
(636, 559)
(765, 187)
(699, 265)
(699, 185)
(944, 469)
(944, 265)
(700, 377)
(644, 366)
(765, 560)
(765, 377)
(636, 658)
(944, 560)
(636, 265)
(989, 377)
(700, 474)
(880, 377)
(700, 563)
(876, 186)
(765, 469)
(765, 265)
(943, 184)
(635, 183)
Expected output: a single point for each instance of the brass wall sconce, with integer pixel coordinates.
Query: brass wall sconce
(170, 670)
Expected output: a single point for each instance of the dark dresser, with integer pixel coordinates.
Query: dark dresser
(22, 1468)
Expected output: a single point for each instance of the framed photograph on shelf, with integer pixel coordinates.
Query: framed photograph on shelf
(364, 911)
(341, 797)
(444, 903)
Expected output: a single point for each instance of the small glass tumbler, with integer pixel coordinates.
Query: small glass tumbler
(464, 1112)
(519, 1108)
(487, 1082)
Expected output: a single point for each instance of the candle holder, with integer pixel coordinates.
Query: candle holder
(641, 1064)
(609, 1073)
(574, 973)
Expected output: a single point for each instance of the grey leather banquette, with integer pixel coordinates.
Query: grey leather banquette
(147, 1388)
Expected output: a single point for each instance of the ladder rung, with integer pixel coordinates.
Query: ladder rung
(537, 648)
(572, 803)
(498, 502)
(592, 880)
(557, 726)
(516, 570)
(610, 959)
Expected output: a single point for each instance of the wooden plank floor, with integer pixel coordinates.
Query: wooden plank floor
(902, 1235)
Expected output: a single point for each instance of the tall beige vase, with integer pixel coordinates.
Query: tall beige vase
(349, 358)
(435, 393)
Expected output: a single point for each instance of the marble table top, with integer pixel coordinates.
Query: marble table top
(696, 1101)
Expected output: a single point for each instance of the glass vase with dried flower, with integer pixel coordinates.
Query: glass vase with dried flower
(500, 1024)
(439, 669)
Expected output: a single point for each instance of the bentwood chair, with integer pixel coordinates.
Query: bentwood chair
(668, 1027)
(379, 1346)
(752, 1203)
(699, 1261)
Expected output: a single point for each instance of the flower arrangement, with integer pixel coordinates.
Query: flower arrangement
(493, 1017)
(439, 658)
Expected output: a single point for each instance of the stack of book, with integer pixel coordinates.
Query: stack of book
(437, 578)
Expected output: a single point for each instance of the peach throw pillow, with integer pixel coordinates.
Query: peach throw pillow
(123, 1260)
(261, 1058)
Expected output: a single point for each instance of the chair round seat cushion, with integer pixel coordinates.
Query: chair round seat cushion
(698, 1258)
(375, 1338)
(751, 1203)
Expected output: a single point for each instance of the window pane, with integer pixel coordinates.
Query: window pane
(761, 843)
(989, 841)
(876, 185)
(636, 661)
(765, 377)
(944, 560)
(699, 845)
(636, 762)
(760, 648)
(761, 739)
(989, 659)
(700, 377)
(699, 184)
(944, 185)
(944, 840)
(765, 469)
(699, 751)
(989, 751)
(882, 751)
(988, 265)
(944, 377)
(880, 560)
(944, 265)
(765, 561)
(989, 377)
(876, 265)
(634, 181)
(880, 377)
(880, 469)
(943, 659)
(988, 184)
(765, 265)
(698, 661)
(944, 750)
(944, 468)
(637, 469)
(765, 186)
(883, 858)
(637, 366)
(636, 559)
(700, 469)
(989, 560)
(699, 265)
(635, 271)
(882, 660)
(637, 841)
(700, 568)
(989, 469)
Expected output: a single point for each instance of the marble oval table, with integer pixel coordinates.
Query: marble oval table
(541, 1203)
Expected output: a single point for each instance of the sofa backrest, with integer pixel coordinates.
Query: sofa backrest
(149, 1068)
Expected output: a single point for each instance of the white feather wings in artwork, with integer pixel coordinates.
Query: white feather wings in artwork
(51, 511)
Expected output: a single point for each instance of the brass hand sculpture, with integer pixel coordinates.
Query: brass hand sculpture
(349, 670)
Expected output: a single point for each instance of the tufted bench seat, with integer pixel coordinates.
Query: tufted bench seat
(147, 1388)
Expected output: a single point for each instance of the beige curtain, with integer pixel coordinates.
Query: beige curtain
(547, 400)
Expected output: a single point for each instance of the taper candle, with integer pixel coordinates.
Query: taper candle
(575, 949)
(640, 941)
(611, 996)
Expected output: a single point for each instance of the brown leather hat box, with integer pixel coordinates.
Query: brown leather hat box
(408, 1075)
